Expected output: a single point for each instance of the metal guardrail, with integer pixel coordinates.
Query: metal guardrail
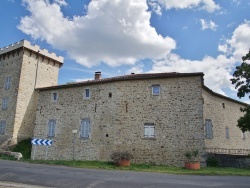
(228, 151)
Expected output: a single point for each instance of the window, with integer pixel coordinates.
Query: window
(209, 128)
(2, 127)
(87, 93)
(7, 83)
(85, 129)
(227, 132)
(149, 130)
(5, 103)
(156, 90)
(51, 128)
(243, 135)
(223, 105)
(54, 96)
(110, 95)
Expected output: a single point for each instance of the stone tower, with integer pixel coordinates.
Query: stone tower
(23, 67)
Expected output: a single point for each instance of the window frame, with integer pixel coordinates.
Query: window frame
(5, 102)
(148, 129)
(2, 127)
(85, 93)
(209, 128)
(153, 90)
(244, 135)
(7, 85)
(51, 128)
(227, 132)
(85, 125)
(53, 94)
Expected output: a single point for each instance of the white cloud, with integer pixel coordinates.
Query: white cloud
(216, 70)
(208, 25)
(207, 5)
(114, 32)
(238, 45)
(135, 69)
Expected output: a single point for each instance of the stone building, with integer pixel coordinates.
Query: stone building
(23, 67)
(157, 117)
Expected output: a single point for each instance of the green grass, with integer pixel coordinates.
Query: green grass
(25, 148)
(148, 168)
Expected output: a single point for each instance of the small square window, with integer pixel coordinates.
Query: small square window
(87, 93)
(149, 130)
(110, 95)
(54, 96)
(156, 90)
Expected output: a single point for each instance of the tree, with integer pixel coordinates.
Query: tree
(241, 79)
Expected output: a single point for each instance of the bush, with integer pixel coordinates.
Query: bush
(24, 147)
(212, 162)
(116, 157)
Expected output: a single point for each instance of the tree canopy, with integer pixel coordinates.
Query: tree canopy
(241, 79)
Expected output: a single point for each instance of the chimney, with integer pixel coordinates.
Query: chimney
(98, 75)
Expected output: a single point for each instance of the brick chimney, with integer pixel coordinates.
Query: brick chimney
(98, 75)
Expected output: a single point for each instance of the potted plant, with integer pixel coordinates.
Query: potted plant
(121, 158)
(192, 162)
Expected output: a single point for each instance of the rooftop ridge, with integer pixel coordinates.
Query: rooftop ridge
(35, 48)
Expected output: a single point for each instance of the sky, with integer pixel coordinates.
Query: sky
(119, 37)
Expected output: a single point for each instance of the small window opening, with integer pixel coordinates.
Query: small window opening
(223, 105)
(110, 95)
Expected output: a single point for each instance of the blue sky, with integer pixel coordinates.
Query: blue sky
(119, 37)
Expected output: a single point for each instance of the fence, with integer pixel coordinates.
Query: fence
(228, 151)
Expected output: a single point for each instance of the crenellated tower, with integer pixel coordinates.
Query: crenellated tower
(23, 67)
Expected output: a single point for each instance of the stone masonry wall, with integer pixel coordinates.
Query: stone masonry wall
(10, 65)
(45, 74)
(117, 121)
(28, 70)
(223, 118)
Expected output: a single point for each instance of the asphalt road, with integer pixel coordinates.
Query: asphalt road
(59, 176)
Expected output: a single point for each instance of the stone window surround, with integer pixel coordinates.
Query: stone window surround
(227, 132)
(5, 102)
(209, 129)
(51, 128)
(156, 90)
(7, 83)
(54, 96)
(87, 93)
(149, 130)
(85, 129)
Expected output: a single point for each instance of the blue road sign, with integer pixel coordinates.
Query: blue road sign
(41, 142)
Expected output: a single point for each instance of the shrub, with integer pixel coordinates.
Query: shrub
(212, 162)
(116, 157)
(192, 155)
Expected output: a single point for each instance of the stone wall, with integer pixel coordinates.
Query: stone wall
(117, 111)
(10, 65)
(29, 67)
(224, 113)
